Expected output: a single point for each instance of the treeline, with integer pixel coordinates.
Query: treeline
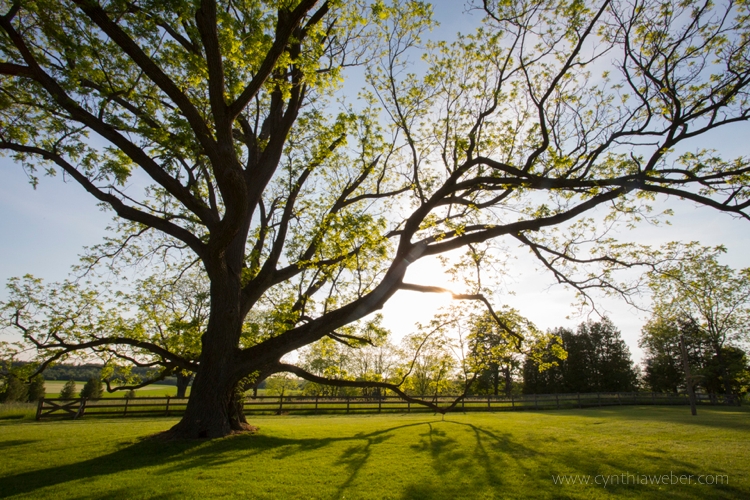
(598, 360)
(88, 371)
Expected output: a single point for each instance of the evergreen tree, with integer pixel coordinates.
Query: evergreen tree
(69, 390)
(92, 389)
(15, 390)
(36, 390)
(598, 361)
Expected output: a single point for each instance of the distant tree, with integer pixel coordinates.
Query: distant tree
(660, 340)
(606, 356)
(15, 390)
(432, 371)
(329, 359)
(539, 381)
(36, 388)
(281, 384)
(92, 389)
(714, 297)
(735, 365)
(130, 394)
(69, 390)
(598, 360)
(496, 351)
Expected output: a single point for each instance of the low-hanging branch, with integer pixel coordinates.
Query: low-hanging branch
(372, 384)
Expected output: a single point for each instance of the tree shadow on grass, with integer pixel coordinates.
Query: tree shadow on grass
(464, 460)
(15, 442)
(496, 466)
(181, 456)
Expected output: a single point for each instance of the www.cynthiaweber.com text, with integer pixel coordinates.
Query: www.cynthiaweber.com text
(627, 478)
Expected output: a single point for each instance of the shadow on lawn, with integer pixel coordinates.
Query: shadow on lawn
(470, 461)
(15, 442)
(495, 466)
(185, 455)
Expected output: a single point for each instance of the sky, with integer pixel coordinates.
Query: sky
(43, 230)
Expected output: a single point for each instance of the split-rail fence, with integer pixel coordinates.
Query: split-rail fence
(283, 405)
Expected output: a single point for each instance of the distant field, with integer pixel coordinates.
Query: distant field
(465, 456)
(54, 387)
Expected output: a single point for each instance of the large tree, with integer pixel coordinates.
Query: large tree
(305, 217)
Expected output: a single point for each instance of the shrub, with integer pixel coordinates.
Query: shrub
(68, 390)
(15, 390)
(92, 389)
(36, 389)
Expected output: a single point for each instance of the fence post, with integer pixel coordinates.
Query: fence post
(316, 404)
(81, 409)
(125, 411)
(281, 403)
(579, 401)
(347, 404)
(489, 406)
(39, 409)
(618, 399)
(166, 412)
(380, 403)
(536, 402)
(599, 398)
(512, 402)
(408, 407)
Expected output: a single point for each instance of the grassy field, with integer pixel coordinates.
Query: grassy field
(53, 388)
(477, 455)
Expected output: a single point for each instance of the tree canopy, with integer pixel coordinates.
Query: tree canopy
(225, 132)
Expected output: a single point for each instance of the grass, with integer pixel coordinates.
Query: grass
(17, 411)
(487, 455)
(53, 388)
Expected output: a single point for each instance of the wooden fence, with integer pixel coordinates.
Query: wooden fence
(281, 405)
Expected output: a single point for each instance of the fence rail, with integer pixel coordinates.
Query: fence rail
(278, 405)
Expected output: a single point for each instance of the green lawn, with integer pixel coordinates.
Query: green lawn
(476, 455)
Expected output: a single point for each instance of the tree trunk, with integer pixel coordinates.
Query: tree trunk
(237, 420)
(508, 381)
(183, 381)
(208, 410)
(212, 408)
